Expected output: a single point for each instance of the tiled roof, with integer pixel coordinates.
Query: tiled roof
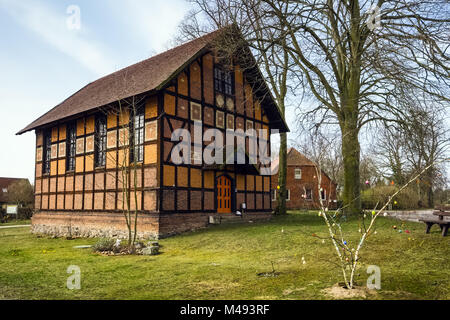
(147, 75)
(4, 184)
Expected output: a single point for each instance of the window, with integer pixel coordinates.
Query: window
(100, 141)
(47, 152)
(223, 81)
(323, 194)
(298, 174)
(137, 154)
(5, 190)
(71, 146)
(288, 197)
(274, 195)
(308, 194)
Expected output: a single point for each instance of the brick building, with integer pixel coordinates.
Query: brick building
(302, 183)
(5, 183)
(108, 147)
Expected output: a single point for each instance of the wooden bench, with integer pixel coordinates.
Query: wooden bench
(439, 214)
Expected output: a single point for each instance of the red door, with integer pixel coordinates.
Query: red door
(223, 195)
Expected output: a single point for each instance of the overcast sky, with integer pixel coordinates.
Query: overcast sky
(43, 61)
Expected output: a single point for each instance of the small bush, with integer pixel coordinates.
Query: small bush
(25, 213)
(106, 244)
(378, 196)
(2, 215)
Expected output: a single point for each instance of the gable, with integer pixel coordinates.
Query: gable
(147, 76)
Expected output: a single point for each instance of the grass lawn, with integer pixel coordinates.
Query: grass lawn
(15, 223)
(222, 262)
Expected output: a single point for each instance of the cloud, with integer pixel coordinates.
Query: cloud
(52, 28)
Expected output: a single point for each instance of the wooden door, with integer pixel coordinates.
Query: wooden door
(223, 195)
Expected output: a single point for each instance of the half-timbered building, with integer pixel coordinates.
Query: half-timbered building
(127, 119)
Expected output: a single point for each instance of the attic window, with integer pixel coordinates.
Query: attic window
(223, 80)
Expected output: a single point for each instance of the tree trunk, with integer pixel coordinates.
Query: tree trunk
(351, 158)
(430, 196)
(282, 168)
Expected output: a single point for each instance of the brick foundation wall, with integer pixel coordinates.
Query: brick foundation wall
(173, 224)
(92, 225)
(113, 225)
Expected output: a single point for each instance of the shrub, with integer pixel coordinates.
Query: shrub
(378, 196)
(25, 213)
(105, 244)
(3, 216)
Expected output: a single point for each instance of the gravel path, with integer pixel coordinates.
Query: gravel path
(18, 226)
(412, 215)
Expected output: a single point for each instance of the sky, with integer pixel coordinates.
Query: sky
(50, 49)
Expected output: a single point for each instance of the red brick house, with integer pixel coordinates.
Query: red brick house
(5, 183)
(127, 119)
(302, 183)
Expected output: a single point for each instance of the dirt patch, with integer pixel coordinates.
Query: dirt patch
(339, 292)
(291, 291)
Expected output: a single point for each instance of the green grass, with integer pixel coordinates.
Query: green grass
(14, 222)
(222, 262)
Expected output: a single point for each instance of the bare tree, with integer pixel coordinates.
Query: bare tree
(413, 143)
(127, 161)
(360, 60)
(349, 254)
(21, 193)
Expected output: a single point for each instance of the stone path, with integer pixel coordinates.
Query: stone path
(18, 226)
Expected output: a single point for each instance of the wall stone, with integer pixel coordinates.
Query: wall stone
(79, 224)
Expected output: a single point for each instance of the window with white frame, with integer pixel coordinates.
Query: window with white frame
(288, 195)
(323, 194)
(274, 195)
(298, 174)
